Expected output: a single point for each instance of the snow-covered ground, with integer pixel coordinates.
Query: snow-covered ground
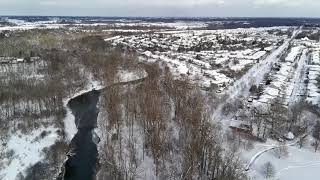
(180, 25)
(146, 168)
(297, 164)
(129, 75)
(111, 26)
(229, 61)
(294, 53)
(17, 24)
(24, 150)
(23, 143)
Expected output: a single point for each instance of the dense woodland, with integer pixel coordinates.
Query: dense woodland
(166, 120)
(32, 93)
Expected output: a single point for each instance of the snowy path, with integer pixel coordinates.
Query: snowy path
(256, 156)
(271, 147)
(254, 76)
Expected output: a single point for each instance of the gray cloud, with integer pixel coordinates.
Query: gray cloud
(212, 8)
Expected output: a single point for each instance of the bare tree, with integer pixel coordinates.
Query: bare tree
(316, 135)
(268, 170)
(302, 141)
(282, 150)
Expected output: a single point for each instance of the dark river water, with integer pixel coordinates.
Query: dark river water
(82, 165)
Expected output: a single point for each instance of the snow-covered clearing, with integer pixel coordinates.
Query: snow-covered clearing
(30, 26)
(268, 146)
(298, 164)
(128, 75)
(25, 150)
(180, 25)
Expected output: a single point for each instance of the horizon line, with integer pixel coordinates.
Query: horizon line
(170, 17)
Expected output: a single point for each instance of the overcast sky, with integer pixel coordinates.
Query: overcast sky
(168, 8)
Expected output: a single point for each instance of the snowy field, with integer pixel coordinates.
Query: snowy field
(22, 151)
(296, 164)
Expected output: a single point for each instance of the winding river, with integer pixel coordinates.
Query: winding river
(83, 156)
(82, 160)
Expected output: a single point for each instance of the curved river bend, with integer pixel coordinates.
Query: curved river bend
(83, 156)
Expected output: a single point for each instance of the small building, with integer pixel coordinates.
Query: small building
(241, 127)
(20, 60)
